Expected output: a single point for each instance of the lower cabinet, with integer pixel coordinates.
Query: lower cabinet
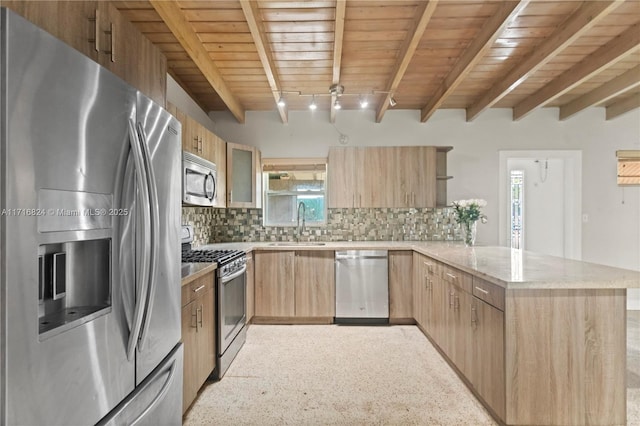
(250, 297)
(400, 286)
(464, 317)
(487, 367)
(198, 335)
(294, 284)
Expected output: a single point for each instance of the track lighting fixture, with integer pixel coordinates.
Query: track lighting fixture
(392, 101)
(336, 91)
(363, 102)
(337, 104)
(281, 101)
(312, 105)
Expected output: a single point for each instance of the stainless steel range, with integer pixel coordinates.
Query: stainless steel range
(231, 280)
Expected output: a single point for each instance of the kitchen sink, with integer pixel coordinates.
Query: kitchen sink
(296, 244)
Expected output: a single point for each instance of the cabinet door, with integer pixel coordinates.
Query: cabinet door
(219, 157)
(421, 180)
(418, 289)
(315, 291)
(206, 335)
(459, 329)
(487, 373)
(341, 177)
(241, 176)
(70, 21)
(190, 367)
(400, 285)
(378, 185)
(250, 288)
(438, 304)
(274, 284)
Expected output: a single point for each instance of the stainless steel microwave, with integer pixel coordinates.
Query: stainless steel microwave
(199, 181)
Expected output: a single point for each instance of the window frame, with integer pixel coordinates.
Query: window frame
(270, 165)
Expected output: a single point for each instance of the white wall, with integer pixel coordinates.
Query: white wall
(177, 96)
(611, 235)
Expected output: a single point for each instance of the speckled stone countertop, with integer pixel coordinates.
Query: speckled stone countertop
(509, 268)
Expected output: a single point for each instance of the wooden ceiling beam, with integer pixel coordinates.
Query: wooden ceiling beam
(252, 15)
(491, 30)
(620, 46)
(424, 13)
(613, 88)
(575, 26)
(341, 7)
(622, 107)
(173, 17)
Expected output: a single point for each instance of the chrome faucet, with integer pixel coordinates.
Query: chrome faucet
(304, 211)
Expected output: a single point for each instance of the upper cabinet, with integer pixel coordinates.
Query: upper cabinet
(385, 177)
(243, 176)
(198, 140)
(98, 30)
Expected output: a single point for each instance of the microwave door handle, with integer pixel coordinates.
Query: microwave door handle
(142, 269)
(154, 226)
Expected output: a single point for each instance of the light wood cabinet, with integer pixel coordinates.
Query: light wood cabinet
(382, 177)
(401, 294)
(198, 335)
(250, 296)
(242, 179)
(98, 30)
(294, 284)
(486, 371)
(274, 283)
(315, 293)
(199, 141)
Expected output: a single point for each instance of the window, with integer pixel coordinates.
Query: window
(290, 182)
(517, 186)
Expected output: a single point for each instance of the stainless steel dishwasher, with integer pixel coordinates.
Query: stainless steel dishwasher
(362, 286)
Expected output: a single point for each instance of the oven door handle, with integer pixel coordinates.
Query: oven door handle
(233, 276)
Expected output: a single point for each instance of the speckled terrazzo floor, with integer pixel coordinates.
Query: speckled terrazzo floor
(312, 375)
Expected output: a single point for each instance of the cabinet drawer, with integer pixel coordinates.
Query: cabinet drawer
(456, 277)
(196, 287)
(490, 293)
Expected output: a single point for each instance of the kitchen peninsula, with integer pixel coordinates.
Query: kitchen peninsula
(538, 339)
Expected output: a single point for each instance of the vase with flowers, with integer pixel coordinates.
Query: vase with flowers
(468, 213)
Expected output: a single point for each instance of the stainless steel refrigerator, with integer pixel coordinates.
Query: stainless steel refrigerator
(89, 234)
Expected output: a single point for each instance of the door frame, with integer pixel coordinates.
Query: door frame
(572, 186)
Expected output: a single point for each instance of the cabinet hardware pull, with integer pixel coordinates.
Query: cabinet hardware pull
(451, 293)
(474, 319)
(199, 288)
(453, 277)
(96, 33)
(194, 315)
(201, 315)
(481, 290)
(201, 145)
(112, 32)
(196, 146)
(456, 302)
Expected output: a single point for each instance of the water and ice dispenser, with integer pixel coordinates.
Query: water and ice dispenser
(74, 283)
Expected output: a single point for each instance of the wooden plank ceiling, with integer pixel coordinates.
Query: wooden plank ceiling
(241, 55)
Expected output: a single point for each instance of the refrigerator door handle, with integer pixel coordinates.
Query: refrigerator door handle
(152, 189)
(142, 270)
(160, 394)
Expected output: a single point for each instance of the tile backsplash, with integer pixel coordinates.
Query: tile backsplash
(380, 224)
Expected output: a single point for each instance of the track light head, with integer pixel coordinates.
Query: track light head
(392, 101)
(337, 104)
(312, 105)
(363, 102)
(281, 102)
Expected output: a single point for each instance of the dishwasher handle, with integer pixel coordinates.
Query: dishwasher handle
(361, 254)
